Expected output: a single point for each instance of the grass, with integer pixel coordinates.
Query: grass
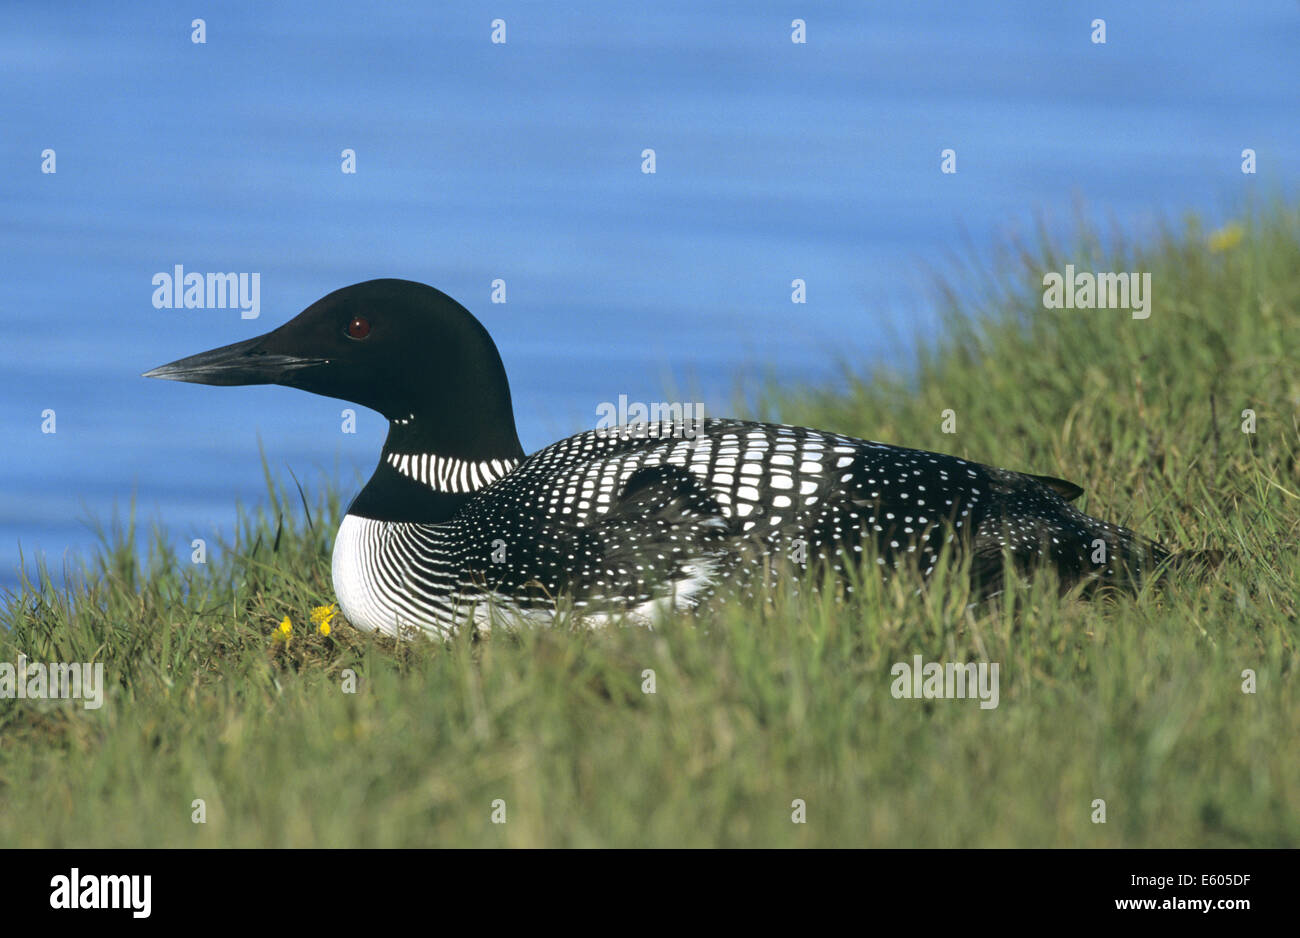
(1136, 701)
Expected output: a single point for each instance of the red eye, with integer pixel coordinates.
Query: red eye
(358, 328)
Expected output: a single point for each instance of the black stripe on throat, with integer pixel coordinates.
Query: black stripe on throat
(391, 496)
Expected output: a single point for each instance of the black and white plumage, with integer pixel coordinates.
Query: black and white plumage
(456, 522)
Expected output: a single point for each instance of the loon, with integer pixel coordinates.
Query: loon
(456, 520)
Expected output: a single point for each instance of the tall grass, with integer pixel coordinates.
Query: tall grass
(1136, 702)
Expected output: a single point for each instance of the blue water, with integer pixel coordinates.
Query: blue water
(522, 161)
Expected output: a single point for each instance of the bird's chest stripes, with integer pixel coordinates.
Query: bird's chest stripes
(389, 574)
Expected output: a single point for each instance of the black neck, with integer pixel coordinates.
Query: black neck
(455, 437)
(392, 496)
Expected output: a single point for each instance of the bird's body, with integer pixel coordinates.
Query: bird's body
(638, 519)
(456, 525)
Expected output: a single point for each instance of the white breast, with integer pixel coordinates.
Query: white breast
(371, 583)
(378, 592)
(356, 549)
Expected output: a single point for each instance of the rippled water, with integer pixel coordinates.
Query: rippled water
(522, 161)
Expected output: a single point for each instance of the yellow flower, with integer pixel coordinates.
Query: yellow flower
(285, 630)
(322, 616)
(1227, 237)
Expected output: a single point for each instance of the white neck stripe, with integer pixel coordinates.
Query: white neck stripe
(447, 474)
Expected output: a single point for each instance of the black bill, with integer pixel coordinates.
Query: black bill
(247, 362)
